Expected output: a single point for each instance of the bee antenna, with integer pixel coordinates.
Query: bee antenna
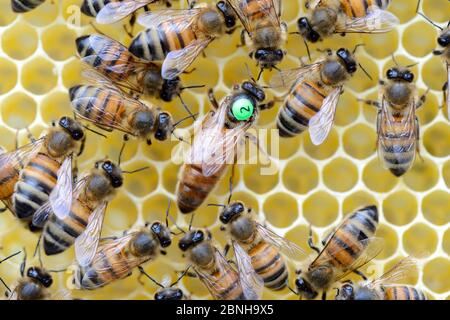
(142, 271)
(97, 29)
(395, 61)
(185, 106)
(426, 18)
(216, 205)
(365, 71)
(249, 73)
(184, 119)
(307, 49)
(10, 256)
(259, 74)
(181, 276)
(6, 286)
(57, 271)
(193, 87)
(167, 213)
(411, 65)
(231, 183)
(93, 131)
(135, 171)
(119, 160)
(190, 222)
(357, 46)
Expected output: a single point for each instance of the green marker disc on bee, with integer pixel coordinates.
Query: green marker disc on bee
(242, 109)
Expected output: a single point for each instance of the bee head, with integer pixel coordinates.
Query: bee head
(169, 294)
(305, 289)
(227, 13)
(444, 39)
(162, 233)
(347, 59)
(113, 172)
(400, 75)
(72, 127)
(191, 239)
(346, 292)
(41, 276)
(268, 58)
(231, 212)
(164, 126)
(307, 31)
(256, 91)
(170, 88)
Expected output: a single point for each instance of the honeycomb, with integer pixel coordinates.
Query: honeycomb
(313, 186)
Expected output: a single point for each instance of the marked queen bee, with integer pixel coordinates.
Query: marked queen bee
(265, 33)
(327, 17)
(217, 137)
(314, 94)
(177, 37)
(35, 170)
(349, 247)
(214, 271)
(397, 123)
(385, 287)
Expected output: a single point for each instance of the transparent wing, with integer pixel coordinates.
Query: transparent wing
(287, 247)
(116, 11)
(312, 4)
(396, 274)
(61, 196)
(87, 243)
(179, 19)
(62, 294)
(252, 284)
(268, 8)
(178, 61)
(41, 215)
(20, 157)
(287, 78)
(215, 287)
(322, 122)
(376, 21)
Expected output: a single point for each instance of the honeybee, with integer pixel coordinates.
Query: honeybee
(33, 286)
(258, 250)
(179, 36)
(216, 137)
(113, 60)
(167, 292)
(115, 259)
(385, 287)
(110, 108)
(314, 94)
(214, 271)
(397, 123)
(327, 17)
(22, 6)
(111, 11)
(350, 246)
(444, 41)
(48, 167)
(264, 32)
(77, 216)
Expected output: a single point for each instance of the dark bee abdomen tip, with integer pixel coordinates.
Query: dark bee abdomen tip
(33, 228)
(73, 92)
(184, 208)
(79, 41)
(85, 9)
(51, 249)
(373, 212)
(398, 172)
(16, 8)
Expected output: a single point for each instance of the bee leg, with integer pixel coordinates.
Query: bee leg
(149, 141)
(189, 274)
(438, 52)
(269, 105)
(213, 99)
(168, 4)
(371, 103)
(324, 295)
(129, 32)
(417, 139)
(3, 209)
(24, 263)
(191, 3)
(30, 135)
(163, 252)
(226, 249)
(231, 31)
(444, 90)
(310, 241)
(242, 44)
(422, 99)
(359, 273)
(292, 290)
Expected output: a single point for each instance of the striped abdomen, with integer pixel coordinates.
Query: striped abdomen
(21, 6)
(347, 243)
(270, 265)
(256, 10)
(8, 178)
(397, 146)
(403, 293)
(359, 8)
(60, 234)
(194, 187)
(104, 108)
(105, 269)
(154, 44)
(228, 285)
(304, 101)
(35, 183)
(113, 60)
(92, 7)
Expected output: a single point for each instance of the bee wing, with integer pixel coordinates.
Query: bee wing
(62, 294)
(87, 243)
(287, 247)
(252, 284)
(214, 287)
(177, 61)
(312, 4)
(321, 123)
(376, 21)
(396, 274)
(267, 8)
(95, 78)
(19, 157)
(116, 11)
(61, 196)
(179, 19)
(287, 78)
